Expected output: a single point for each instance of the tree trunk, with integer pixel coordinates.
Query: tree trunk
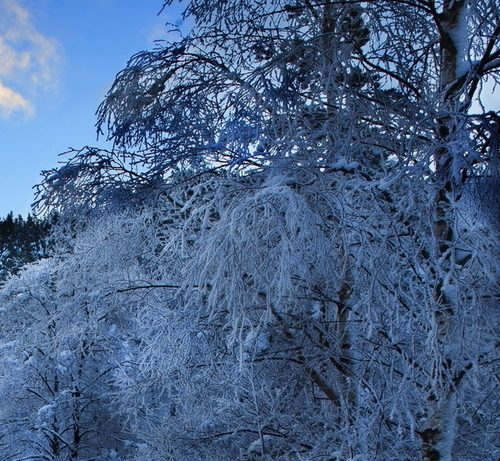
(439, 433)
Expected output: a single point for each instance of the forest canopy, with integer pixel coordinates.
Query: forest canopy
(22, 241)
(290, 253)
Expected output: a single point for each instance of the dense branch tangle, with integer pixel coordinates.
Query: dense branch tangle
(314, 269)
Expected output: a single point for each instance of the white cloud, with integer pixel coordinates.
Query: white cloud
(28, 60)
(12, 102)
(12, 60)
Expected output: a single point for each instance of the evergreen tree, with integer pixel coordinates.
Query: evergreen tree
(22, 242)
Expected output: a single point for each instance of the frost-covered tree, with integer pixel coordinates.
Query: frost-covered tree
(64, 329)
(321, 276)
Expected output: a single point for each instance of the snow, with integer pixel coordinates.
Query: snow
(275, 180)
(451, 350)
(316, 311)
(256, 341)
(208, 424)
(450, 292)
(136, 445)
(460, 37)
(112, 330)
(46, 413)
(446, 420)
(256, 446)
(343, 165)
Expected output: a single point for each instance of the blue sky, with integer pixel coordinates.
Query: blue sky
(58, 58)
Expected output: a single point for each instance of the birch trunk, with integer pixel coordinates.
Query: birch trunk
(439, 433)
